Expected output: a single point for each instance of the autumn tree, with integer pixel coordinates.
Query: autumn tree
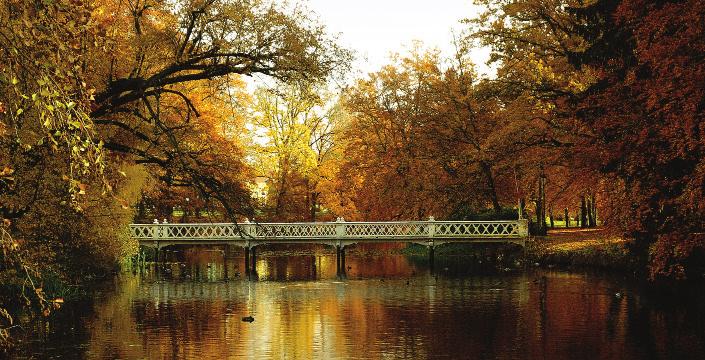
(98, 98)
(537, 44)
(620, 77)
(427, 137)
(293, 143)
(648, 112)
(389, 168)
(171, 46)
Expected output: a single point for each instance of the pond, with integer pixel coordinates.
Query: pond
(390, 306)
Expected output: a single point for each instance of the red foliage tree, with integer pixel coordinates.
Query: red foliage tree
(647, 111)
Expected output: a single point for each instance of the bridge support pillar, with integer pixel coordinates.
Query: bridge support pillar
(340, 260)
(247, 259)
(159, 255)
(226, 249)
(251, 262)
(431, 256)
(253, 259)
(337, 260)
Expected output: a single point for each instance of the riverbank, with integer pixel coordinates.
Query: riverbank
(561, 248)
(594, 248)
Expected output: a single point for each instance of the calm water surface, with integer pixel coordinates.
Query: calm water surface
(385, 307)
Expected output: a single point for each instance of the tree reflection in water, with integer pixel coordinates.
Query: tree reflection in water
(387, 306)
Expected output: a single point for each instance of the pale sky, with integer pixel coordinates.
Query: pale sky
(376, 28)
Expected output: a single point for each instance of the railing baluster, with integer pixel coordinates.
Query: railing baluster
(340, 229)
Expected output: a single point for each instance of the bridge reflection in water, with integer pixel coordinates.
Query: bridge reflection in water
(338, 234)
(395, 309)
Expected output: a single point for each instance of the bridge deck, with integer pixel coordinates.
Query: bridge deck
(339, 233)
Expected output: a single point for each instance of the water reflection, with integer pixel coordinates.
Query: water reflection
(218, 265)
(387, 307)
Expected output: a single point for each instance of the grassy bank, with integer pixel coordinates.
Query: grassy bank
(564, 248)
(593, 248)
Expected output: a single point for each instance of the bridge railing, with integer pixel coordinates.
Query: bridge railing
(333, 230)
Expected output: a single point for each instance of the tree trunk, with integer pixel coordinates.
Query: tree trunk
(566, 217)
(537, 212)
(583, 212)
(522, 208)
(314, 203)
(587, 211)
(141, 209)
(550, 216)
(593, 210)
(487, 170)
(541, 208)
(543, 202)
(278, 209)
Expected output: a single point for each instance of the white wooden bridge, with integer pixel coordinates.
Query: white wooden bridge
(338, 234)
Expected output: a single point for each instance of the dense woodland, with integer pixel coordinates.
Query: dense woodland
(113, 111)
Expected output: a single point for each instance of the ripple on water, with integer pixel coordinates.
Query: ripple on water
(303, 309)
